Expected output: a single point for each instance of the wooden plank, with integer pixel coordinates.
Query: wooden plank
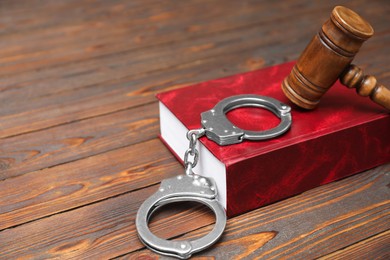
(88, 84)
(73, 74)
(74, 141)
(167, 36)
(150, 22)
(244, 19)
(38, 150)
(85, 181)
(375, 247)
(33, 17)
(107, 97)
(309, 225)
(99, 230)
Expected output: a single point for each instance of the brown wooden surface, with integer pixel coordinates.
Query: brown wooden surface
(79, 122)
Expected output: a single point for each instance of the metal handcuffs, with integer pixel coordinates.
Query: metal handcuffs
(192, 187)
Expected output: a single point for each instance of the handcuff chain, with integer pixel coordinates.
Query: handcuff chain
(192, 136)
(191, 187)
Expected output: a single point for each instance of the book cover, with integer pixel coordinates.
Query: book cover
(345, 135)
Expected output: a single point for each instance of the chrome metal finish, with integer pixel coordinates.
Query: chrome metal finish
(219, 129)
(192, 136)
(192, 187)
(181, 188)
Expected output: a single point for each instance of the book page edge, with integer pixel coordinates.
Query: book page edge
(174, 133)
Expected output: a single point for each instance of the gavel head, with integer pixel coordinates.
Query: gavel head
(326, 57)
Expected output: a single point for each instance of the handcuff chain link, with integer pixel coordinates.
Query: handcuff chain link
(192, 136)
(192, 187)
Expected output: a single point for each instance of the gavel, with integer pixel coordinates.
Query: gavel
(328, 57)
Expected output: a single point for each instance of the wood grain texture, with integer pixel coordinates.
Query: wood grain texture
(304, 227)
(294, 227)
(77, 140)
(102, 83)
(79, 122)
(85, 181)
(103, 230)
(375, 247)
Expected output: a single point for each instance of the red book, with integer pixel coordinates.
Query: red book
(345, 135)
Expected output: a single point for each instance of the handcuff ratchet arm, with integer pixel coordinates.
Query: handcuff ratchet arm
(219, 129)
(177, 189)
(192, 187)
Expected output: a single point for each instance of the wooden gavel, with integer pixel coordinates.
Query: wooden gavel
(328, 57)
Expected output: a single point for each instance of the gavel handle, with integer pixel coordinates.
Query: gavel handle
(365, 85)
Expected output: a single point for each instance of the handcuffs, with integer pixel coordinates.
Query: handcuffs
(193, 187)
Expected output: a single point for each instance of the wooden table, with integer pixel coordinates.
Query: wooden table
(79, 123)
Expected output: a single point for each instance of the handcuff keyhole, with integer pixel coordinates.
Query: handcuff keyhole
(253, 118)
(173, 220)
